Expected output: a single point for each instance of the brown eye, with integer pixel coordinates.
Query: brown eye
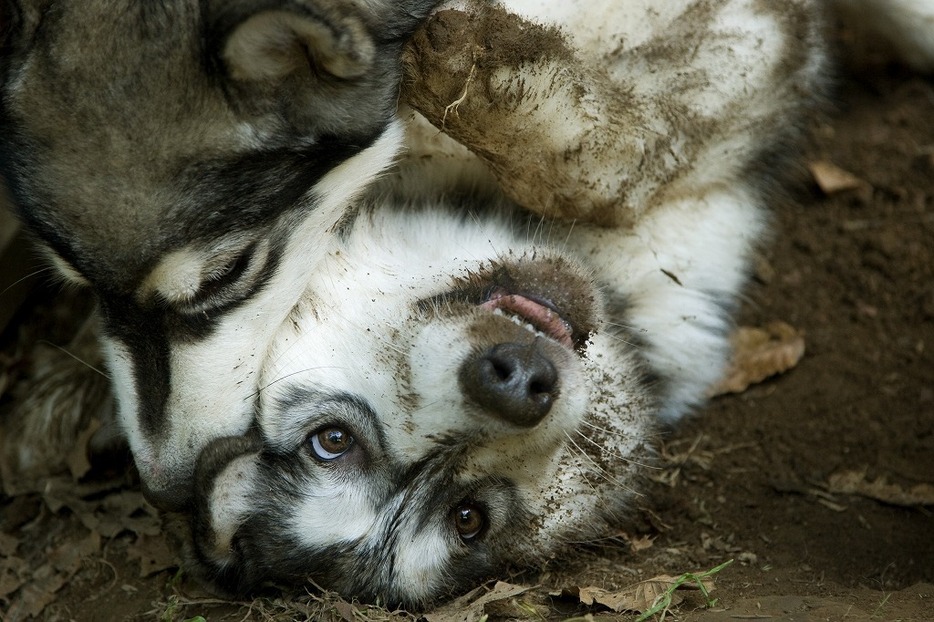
(330, 443)
(469, 520)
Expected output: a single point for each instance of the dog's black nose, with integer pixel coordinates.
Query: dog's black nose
(513, 381)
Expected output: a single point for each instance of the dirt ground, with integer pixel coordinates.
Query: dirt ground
(818, 483)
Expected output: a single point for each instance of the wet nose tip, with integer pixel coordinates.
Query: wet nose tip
(514, 382)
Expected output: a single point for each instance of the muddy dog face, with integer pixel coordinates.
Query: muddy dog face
(184, 159)
(447, 399)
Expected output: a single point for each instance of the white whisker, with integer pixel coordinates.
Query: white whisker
(289, 375)
(23, 278)
(77, 358)
(613, 452)
(600, 470)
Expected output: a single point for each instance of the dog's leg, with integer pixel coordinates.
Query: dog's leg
(601, 135)
(669, 148)
(512, 92)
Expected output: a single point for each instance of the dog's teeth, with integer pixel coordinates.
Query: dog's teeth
(519, 321)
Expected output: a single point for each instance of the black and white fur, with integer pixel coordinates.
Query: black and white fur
(463, 386)
(184, 159)
(398, 403)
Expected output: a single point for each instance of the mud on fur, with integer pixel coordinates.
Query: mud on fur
(399, 399)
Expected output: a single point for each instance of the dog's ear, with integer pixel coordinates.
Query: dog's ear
(225, 484)
(326, 67)
(268, 41)
(273, 44)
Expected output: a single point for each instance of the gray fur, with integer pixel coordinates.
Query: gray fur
(130, 131)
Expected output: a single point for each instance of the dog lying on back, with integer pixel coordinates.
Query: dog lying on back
(400, 401)
(464, 386)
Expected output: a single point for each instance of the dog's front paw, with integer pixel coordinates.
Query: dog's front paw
(517, 95)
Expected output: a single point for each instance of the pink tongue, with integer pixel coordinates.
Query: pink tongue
(538, 315)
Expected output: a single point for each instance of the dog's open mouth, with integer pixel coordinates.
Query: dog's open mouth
(547, 296)
(539, 314)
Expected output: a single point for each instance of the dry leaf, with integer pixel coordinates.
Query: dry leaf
(109, 515)
(8, 545)
(77, 460)
(39, 592)
(832, 179)
(855, 483)
(525, 606)
(759, 353)
(639, 543)
(128, 510)
(346, 610)
(153, 553)
(67, 557)
(472, 606)
(13, 574)
(637, 598)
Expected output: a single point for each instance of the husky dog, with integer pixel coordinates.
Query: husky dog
(399, 402)
(462, 386)
(185, 159)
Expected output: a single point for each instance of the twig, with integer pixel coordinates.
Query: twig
(452, 107)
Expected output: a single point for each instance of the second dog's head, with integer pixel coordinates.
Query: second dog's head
(186, 160)
(447, 399)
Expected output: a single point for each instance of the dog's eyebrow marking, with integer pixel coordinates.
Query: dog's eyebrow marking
(321, 408)
(258, 187)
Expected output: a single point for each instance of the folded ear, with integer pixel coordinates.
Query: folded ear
(225, 481)
(275, 43)
(325, 67)
(269, 40)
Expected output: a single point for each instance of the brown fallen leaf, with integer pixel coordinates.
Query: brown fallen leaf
(13, 574)
(472, 606)
(154, 555)
(8, 545)
(651, 596)
(831, 178)
(68, 557)
(855, 483)
(104, 509)
(128, 510)
(637, 598)
(638, 543)
(37, 593)
(759, 353)
(346, 610)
